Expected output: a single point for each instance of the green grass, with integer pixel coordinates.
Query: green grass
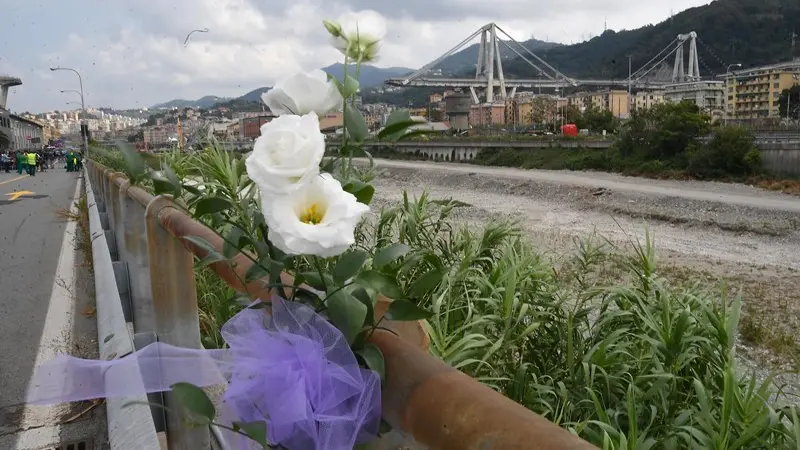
(601, 341)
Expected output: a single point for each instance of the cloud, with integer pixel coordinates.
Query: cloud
(131, 53)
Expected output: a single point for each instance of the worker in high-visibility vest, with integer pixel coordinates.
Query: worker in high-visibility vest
(32, 164)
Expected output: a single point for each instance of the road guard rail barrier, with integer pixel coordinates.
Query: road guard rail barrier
(147, 284)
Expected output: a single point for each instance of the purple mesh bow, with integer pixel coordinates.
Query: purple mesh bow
(292, 369)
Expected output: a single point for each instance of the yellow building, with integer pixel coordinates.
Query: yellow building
(50, 133)
(754, 93)
(647, 99)
(615, 101)
(531, 110)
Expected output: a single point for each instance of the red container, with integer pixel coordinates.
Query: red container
(569, 129)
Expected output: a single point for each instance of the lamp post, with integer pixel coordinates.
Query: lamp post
(83, 108)
(728, 72)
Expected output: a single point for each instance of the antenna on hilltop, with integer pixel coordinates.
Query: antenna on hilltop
(605, 25)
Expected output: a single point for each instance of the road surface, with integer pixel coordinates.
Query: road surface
(40, 274)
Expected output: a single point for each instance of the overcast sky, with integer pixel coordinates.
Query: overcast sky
(131, 52)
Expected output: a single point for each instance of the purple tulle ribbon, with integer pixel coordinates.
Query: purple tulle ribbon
(292, 369)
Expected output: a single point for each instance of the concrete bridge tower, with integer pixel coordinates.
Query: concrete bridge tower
(7, 82)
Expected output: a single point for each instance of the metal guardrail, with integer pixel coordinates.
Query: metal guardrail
(440, 407)
(133, 426)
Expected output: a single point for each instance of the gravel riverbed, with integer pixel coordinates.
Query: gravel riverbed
(742, 236)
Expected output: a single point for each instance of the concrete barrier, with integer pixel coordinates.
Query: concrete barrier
(781, 153)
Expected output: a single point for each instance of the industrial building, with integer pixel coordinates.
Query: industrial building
(754, 93)
(457, 110)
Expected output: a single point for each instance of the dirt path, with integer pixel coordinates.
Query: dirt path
(704, 232)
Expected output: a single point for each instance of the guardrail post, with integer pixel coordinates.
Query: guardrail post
(176, 313)
(135, 252)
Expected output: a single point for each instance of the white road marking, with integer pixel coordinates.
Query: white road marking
(56, 338)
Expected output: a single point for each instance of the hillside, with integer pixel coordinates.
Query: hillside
(750, 32)
(466, 59)
(369, 76)
(204, 102)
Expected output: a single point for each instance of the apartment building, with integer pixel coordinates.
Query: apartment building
(529, 110)
(647, 99)
(707, 95)
(754, 93)
(487, 114)
(616, 101)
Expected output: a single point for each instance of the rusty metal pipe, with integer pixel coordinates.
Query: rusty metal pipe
(447, 410)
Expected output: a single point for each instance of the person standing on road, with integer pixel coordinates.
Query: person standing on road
(70, 167)
(22, 163)
(5, 161)
(32, 164)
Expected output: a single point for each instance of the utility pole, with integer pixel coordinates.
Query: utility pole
(630, 75)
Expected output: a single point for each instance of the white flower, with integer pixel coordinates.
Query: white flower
(287, 154)
(303, 93)
(317, 219)
(359, 35)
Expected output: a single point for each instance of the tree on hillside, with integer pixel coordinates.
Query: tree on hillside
(789, 102)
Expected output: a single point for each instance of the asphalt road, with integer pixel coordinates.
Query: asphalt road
(31, 239)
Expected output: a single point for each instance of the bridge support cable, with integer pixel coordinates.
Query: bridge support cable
(558, 74)
(679, 57)
(669, 48)
(426, 68)
(541, 71)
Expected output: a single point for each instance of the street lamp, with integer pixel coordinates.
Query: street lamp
(83, 107)
(728, 72)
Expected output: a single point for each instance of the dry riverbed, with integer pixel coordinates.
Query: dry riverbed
(745, 238)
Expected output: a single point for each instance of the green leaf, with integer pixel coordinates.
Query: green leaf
(172, 177)
(350, 86)
(398, 116)
(191, 189)
(347, 313)
(201, 243)
(404, 310)
(195, 400)
(135, 168)
(379, 283)
(426, 283)
(232, 243)
(363, 296)
(212, 258)
(355, 123)
(451, 203)
(373, 357)
(256, 431)
(255, 272)
(211, 205)
(314, 280)
(362, 191)
(390, 254)
(397, 128)
(414, 133)
(349, 265)
(162, 184)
